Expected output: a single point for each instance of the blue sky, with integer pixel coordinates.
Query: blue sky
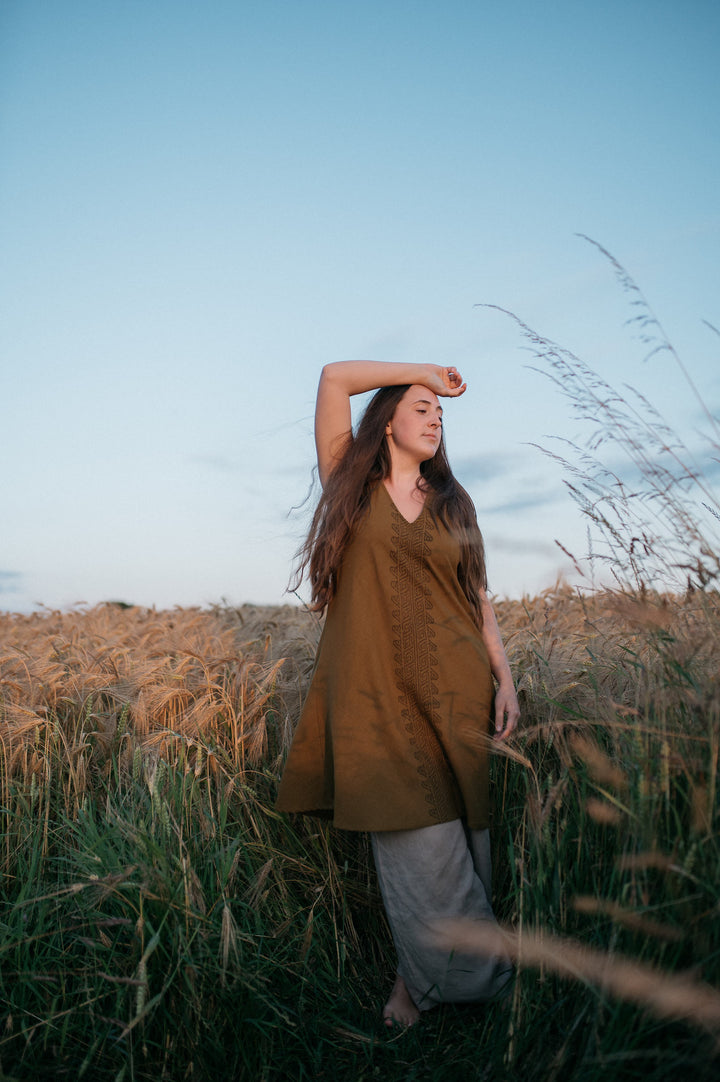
(202, 203)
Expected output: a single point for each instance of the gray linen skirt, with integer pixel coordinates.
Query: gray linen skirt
(433, 873)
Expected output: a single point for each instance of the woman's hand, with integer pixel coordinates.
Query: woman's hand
(445, 382)
(507, 710)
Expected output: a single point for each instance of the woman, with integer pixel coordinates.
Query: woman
(393, 734)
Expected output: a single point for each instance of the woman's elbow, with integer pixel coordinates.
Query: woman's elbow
(328, 372)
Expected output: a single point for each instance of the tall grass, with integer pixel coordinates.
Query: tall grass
(160, 921)
(651, 508)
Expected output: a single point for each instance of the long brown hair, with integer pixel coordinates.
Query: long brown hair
(364, 463)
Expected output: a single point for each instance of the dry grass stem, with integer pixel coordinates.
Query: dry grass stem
(636, 922)
(670, 996)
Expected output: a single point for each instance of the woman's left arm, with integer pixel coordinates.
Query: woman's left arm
(507, 709)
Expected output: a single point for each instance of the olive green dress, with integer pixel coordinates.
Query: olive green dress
(393, 733)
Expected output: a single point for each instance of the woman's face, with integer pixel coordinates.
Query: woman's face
(416, 426)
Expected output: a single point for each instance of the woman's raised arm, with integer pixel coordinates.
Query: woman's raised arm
(342, 379)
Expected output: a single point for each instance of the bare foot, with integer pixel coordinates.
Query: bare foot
(400, 1009)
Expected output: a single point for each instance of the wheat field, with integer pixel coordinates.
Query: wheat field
(161, 920)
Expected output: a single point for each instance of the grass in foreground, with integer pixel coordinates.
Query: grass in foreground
(161, 921)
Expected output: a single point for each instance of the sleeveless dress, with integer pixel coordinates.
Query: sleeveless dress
(394, 730)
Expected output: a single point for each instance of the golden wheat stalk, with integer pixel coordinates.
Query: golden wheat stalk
(667, 995)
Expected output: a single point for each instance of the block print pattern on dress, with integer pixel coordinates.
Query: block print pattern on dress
(415, 656)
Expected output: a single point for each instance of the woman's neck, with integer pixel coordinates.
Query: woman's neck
(404, 470)
(403, 478)
(405, 492)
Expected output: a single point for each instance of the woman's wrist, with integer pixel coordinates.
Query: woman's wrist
(504, 677)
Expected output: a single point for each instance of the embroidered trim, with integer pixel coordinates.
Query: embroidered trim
(415, 655)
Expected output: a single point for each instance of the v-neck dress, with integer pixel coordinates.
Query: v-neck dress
(394, 730)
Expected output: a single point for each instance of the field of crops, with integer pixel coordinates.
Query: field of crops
(160, 921)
